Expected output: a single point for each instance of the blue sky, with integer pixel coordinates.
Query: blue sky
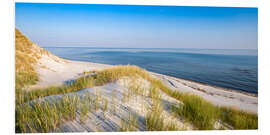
(137, 26)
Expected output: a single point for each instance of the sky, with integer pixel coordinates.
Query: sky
(138, 26)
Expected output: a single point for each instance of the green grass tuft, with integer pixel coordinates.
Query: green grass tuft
(239, 119)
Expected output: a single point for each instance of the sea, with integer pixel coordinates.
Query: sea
(227, 68)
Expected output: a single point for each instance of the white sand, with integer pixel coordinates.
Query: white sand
(55, 71)
(217, 96)
(136, 106)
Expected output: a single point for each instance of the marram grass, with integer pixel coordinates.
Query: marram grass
(201, 113)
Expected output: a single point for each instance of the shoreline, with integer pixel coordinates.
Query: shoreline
(215, 95)
(214, 86)
(201, 83)
(53, 70)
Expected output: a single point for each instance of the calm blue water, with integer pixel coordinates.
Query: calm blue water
(233, 69)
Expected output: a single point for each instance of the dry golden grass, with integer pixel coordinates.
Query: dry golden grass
(194, 109)
(26, 54)
(25, 59)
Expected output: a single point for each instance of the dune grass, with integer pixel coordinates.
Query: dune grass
(198, 111)
(45, 116)
(113, 101)
(130, 123)
(24, 75)
(84, 110)
(154, 119)
(104, 107)
(24, 59)
(239, 119)
(25, 78)
(26, 56)
(171, 126)
(194, 109)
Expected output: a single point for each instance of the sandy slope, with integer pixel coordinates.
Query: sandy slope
(53, 70)
(137, 106)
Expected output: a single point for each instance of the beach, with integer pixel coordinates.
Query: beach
(70, 95)
(53, 71)
(231, 69)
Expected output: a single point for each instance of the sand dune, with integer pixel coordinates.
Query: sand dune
(126, 98)
(118, 110)
(53, 70)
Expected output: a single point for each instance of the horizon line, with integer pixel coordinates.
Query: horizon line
(141, 48)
